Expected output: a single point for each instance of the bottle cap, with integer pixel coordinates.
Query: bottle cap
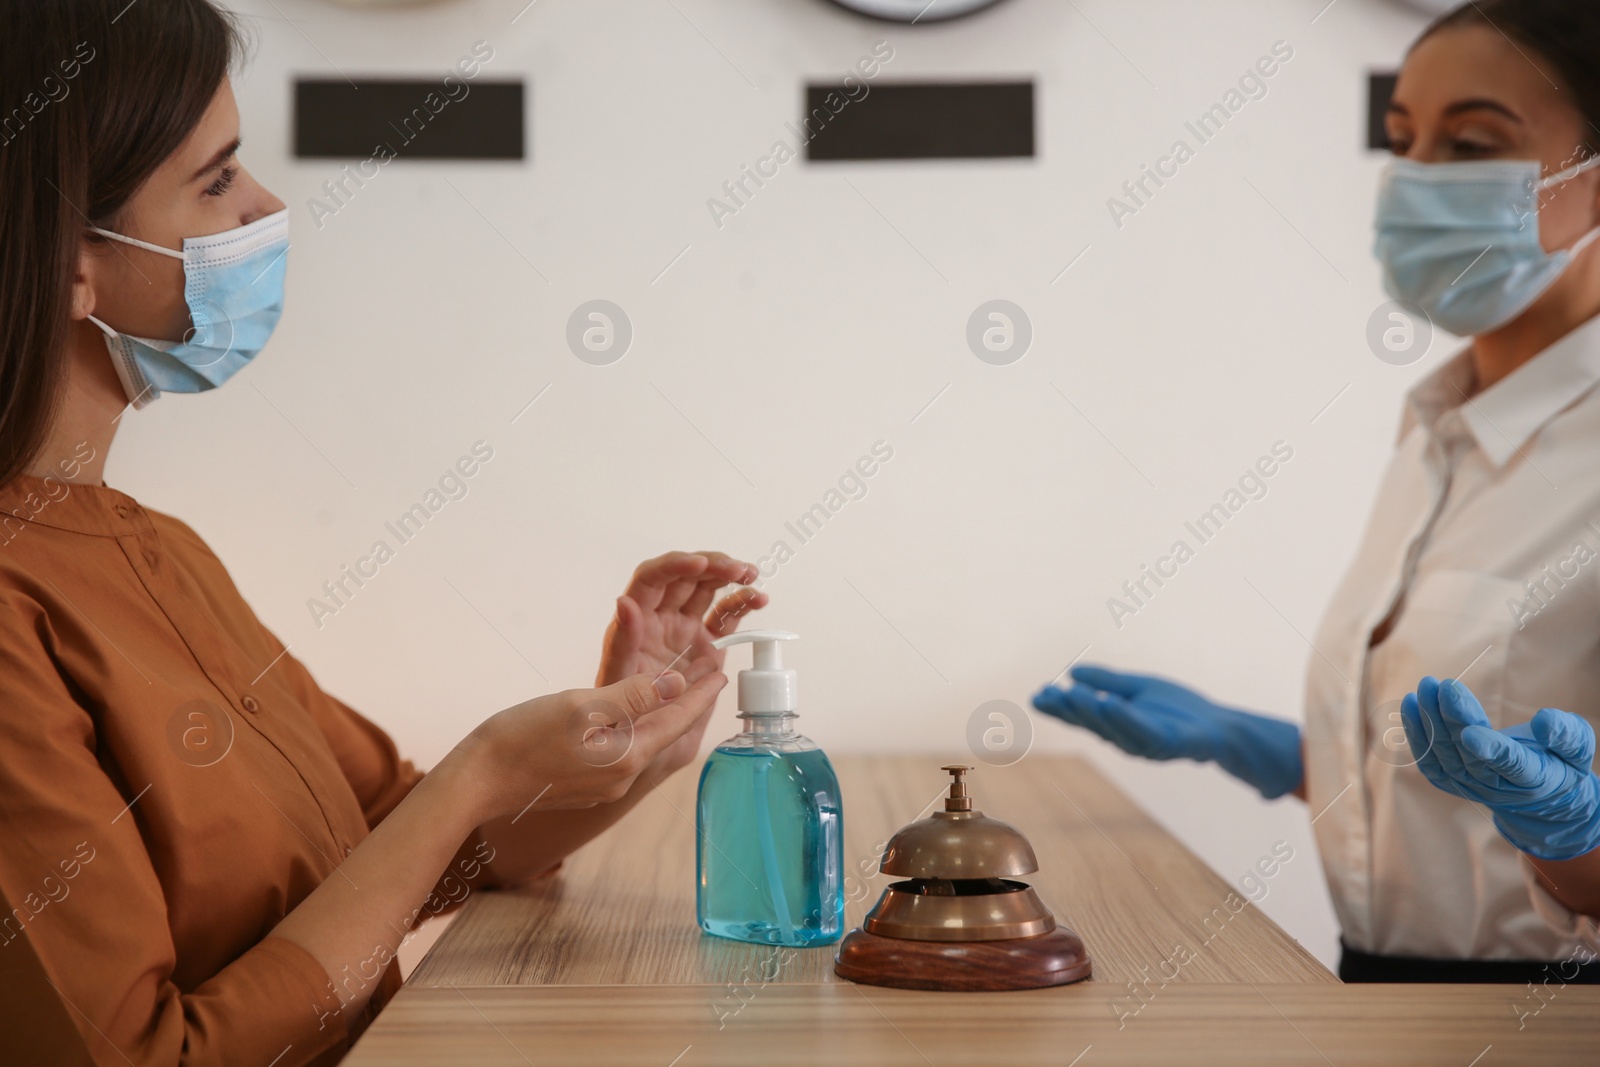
(766, 688)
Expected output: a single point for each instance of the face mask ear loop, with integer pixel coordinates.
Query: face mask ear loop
(1561, 177)
(1583, 242)
(135, 243)
(135, 385)
(140, 391)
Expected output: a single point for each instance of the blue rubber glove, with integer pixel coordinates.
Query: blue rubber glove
(1536, 778)
(1161, 720)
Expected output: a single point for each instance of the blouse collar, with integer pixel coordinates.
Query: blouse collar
(75, 506)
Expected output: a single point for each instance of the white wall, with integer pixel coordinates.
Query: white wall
(1219, 319)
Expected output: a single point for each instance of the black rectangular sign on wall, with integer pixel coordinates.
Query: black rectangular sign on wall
(919, 120)
(414, 119)
(1380, 90)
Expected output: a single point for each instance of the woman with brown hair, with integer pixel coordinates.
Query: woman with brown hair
(213, 859)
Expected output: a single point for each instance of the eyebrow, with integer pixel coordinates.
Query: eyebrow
(218, 160)
(1475, 104)
(1482, 105)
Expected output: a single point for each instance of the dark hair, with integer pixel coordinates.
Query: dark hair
(1564, 33)
(94, 96)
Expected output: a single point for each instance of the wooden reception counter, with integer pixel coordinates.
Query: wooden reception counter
(603, 963)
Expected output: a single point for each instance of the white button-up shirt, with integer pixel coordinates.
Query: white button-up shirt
(1486, 534)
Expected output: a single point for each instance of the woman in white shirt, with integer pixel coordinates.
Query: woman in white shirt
(1459, 829)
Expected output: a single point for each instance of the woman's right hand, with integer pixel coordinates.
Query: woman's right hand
(1162, 720)
(582, 747)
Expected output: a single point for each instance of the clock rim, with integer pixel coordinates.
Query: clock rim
(851, 6)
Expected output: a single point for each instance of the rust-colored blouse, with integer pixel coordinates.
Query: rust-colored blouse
(172, 783)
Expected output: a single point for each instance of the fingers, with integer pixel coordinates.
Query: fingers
(686, 581)
(668, 723)
(1123, 725)
(1428, 696)
(721, 569)
(677, 594)
(620, 729)
(654, 577)
(730, 570)
(668, 685)
(1460, 711)
(630, 625)
(655, 709)
(1499, 755)
(1567, 736)
(1421, 738)
(641, 694)
(1460, 751)
(1442, 739)
(1109, 681)
(1075, 705)
(700, 666)
(724, 619)
(1417, 734)
(1082, 706)
(1459, 707)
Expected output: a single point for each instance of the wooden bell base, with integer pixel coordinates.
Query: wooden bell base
(1050, 959)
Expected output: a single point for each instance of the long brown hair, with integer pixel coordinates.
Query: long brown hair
(94, 95)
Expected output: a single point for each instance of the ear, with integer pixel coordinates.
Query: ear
(83, 280)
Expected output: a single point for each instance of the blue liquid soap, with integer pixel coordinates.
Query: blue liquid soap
(770, 841)
(770, 850)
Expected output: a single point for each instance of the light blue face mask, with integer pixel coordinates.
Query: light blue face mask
(1461, 240)
(233, 284)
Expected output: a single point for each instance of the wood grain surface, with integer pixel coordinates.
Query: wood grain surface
(621, 912)
(1089, 1024)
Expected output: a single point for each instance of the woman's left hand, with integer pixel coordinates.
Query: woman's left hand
(1536, 778)
(670, 614)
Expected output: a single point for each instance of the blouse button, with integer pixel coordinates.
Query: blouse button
(250, 704)
(124, 510)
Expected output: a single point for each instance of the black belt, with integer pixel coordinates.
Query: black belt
(1358, 966)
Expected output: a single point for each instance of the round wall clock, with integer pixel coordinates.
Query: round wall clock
(915, 10)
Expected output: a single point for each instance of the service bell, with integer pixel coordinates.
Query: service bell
(960, 920)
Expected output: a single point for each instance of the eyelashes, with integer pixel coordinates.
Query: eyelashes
(1459, 149)
(223, 183)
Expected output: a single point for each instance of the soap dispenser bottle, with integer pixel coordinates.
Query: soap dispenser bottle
(769, 846)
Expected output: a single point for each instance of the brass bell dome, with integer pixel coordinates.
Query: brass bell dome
(958, 842)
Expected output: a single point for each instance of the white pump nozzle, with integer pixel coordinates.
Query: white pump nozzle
(765, 689)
